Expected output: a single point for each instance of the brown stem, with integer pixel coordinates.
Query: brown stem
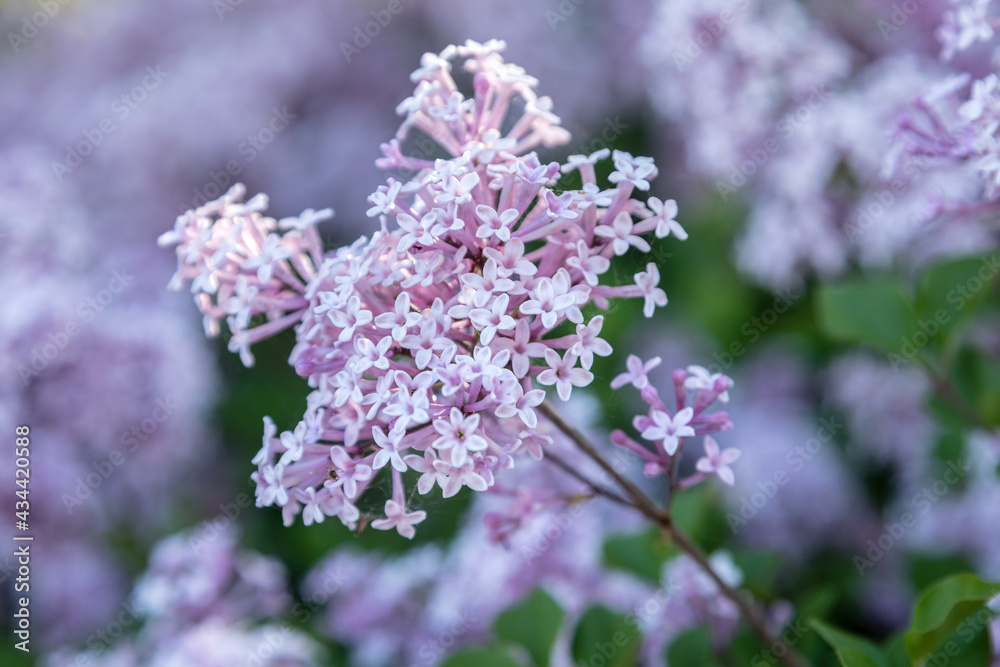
(665, 522)
(950, 394)
(749, 611)
(640, 500)
(593, 486)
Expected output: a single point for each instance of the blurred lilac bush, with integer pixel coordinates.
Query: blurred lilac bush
(804, 135)
(840, 140)
(537, 528)
(202, 603)
(110, 378)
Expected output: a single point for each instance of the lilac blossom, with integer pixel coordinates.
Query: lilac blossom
(593, 43)
(820, 505)
(637, 373)
(668, 424)
(114, 382)
(886, 410)
(952, 126)
(452, 294)
(718, 461)
(819, 132)
(204, 602)
(396, 609)
(954, 519)
(767, 57)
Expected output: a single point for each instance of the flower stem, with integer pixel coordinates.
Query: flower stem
(596, 488)
(639, 499)
(750, 611)
(663, 519)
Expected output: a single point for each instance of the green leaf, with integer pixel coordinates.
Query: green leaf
(977, 377)
(925, 569)
(642, 554)
(533, 623)
(759, 568)
(941, 608)
(869, 311)
(692, 648)
(853, 651)
(605, 637)
(948, 294)
(895, 651)
(480, 658)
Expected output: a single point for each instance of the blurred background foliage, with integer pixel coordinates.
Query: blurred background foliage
(713, 307)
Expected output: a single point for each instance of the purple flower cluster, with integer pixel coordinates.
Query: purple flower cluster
(886, 411)
(204, 603)
(952, 126)
(408, 609)
(667, 427)
(804, 131)
(110, 378)
(423, 342)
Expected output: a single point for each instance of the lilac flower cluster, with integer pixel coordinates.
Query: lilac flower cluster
(768, 58)
(886, 411)
(968, 22)
(405, 610)
(208, 604)
(423, 342)
(952, 127)
(804, 133)
(668, 427)
(953, 521)
(109, 376)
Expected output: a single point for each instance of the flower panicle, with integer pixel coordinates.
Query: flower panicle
(428, 345)
(240, 264)
(457, 124)
(667, 423)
